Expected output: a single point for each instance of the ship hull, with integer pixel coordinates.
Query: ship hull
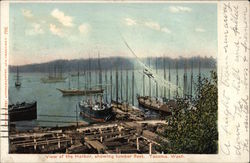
(17, 84)
(143, 104)
(79, 92)
(96, 115)
(160, 108)
(26, 112)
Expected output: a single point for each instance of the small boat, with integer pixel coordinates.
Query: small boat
(154, 104)
(97, 111)
(75, 92)
(22, 111)
(17, 82)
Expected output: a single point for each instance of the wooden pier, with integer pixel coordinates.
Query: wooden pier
(109, 138)
(129, 132)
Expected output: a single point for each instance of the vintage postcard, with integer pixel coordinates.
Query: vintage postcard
(124, 81)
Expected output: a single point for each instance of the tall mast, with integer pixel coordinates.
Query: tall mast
(85, 77)
(78, 76)
(156, 85)
(169, 79)
(149, 80)
(111, 85)
(199, 78)
(54, 71)
(177, 78)
(116, 83)
(60, 75)
(164, 70)
(89, 83)
(191, 87)
(100, 78)
(69, 80)
(127, 85)
(121, 83)
(100, 71)
(133, 89)
(17, 74)
(49, 68)
(185, 79)
(143, 83)
(106, 82)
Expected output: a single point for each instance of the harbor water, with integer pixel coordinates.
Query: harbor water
(53, 109)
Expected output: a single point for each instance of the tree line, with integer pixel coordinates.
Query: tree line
(117, 62)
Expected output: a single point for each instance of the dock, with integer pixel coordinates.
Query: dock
(128, 132)
(107, 138)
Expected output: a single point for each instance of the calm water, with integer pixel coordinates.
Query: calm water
(55, 110)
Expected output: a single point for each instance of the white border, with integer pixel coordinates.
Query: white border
(4, 75)
(187, 158)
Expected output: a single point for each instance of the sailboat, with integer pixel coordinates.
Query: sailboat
(55, 77)
(79, 92)
(154, 103)
(17, 83)
(96, 109)
(116, 101)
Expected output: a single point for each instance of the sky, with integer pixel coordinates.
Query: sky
(42, 32)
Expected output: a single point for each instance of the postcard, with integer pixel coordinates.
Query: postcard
(124, 81)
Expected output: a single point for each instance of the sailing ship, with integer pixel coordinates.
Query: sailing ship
(156, 104)
(54, 77)
(22, 111)
(95, 109)
(99, 111)
(17, 83)
(78, 92)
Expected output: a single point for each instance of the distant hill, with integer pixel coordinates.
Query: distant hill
(113, 62)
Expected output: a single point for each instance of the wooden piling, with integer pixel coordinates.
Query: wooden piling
(137, 144)
(150, 148)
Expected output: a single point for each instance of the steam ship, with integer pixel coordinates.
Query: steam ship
(22, 111)
(97, 111)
